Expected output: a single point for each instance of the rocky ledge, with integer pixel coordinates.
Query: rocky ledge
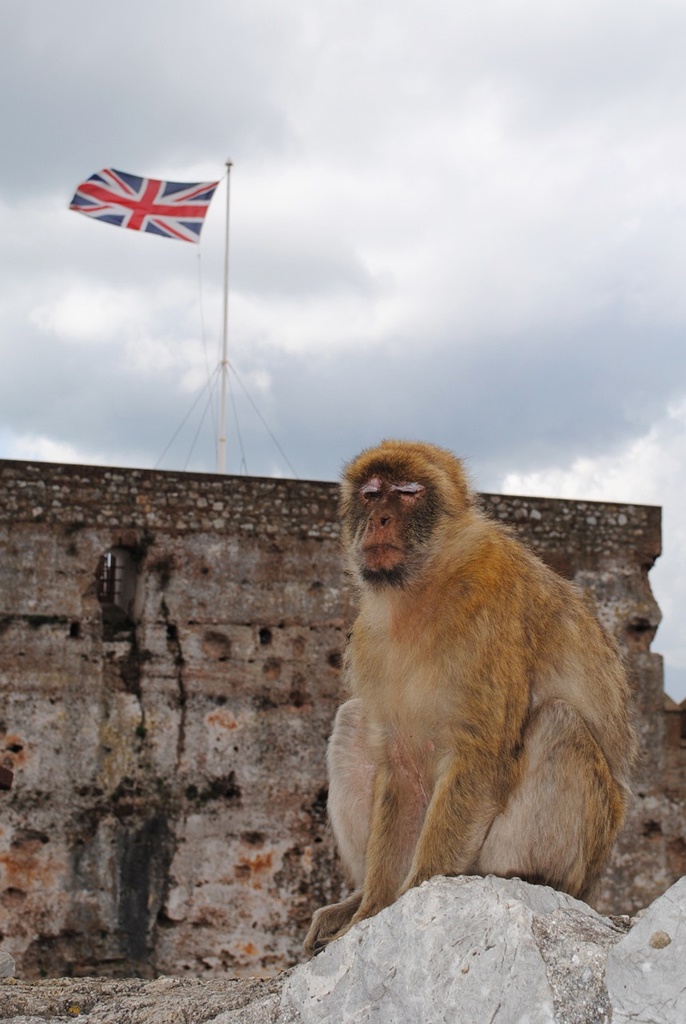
(471, 950)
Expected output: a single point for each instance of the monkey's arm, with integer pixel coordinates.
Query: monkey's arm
(466, 799)
(395, 824)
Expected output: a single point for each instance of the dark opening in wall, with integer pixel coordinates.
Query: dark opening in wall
(118, 592)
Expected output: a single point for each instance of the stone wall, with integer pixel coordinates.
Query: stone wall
(169, 669)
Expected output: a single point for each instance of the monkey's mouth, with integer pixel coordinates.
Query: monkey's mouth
(382, 556)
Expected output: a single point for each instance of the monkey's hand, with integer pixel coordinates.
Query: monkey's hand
(331, 922)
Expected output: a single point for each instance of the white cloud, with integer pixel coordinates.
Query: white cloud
(32, 448)
(90, 314)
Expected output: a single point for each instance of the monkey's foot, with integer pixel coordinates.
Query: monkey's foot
(330, 923)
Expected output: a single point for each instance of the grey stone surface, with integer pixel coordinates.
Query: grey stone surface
(163, 1001)
(7, 965)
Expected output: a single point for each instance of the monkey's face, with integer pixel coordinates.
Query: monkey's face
(390, 509)
(391, 520)
(395, 499)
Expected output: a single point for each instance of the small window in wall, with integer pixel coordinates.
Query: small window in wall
(117, 587)
(107, 574)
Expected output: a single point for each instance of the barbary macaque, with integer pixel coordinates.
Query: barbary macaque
(489, 726)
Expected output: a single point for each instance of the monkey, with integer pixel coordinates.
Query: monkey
(489, 725)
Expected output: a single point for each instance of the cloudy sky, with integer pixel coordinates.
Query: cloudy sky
(459, 222)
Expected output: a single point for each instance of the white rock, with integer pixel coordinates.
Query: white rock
(646, 971)
(456, 949)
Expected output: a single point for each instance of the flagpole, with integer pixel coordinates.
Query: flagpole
(224, 365)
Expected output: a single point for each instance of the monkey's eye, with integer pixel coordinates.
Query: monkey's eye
(408, 489)
(372, 489)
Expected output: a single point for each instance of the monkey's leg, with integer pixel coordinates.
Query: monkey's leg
(351, 785)
(351, 781)
(559, 824)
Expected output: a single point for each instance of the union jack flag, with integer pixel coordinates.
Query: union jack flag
(168, 208)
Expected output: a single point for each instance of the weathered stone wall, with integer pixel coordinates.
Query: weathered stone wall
(168, 807)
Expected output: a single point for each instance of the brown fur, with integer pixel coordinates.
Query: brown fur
(489, 727)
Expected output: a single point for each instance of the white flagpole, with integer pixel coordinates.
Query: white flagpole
(224, 365)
